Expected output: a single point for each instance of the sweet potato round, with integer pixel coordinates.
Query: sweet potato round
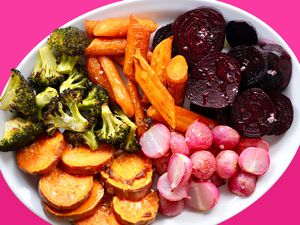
(85, 210)
(62, 191)
(83, 161)
(42, 156)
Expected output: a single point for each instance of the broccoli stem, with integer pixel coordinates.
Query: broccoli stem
(67, 64)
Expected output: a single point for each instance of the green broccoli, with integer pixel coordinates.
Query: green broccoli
(113, 130)
(76, 80)
(44, 98)
(130, 144)
(69, 43)
(19, 133)
(62, 112)
(89, 138)
(19, 96)
(45, 71)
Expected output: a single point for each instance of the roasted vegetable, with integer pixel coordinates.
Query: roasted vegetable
(19, 133)
(44, 98)
(76, 80)
(19, 97)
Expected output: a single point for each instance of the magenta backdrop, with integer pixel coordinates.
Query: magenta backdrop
(26, 23)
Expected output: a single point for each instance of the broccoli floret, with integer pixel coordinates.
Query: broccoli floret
(45, 71)
(69, 42)
(19, 133)
(89, 138)
(19, 96)
(44, 98)
(130, 144)
(113, 130)
(76, 80)
(63, 112)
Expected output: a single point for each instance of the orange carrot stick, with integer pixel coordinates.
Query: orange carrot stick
(89, 26)
(106, 46)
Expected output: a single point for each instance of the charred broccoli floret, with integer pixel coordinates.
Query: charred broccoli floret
(19, 96)
(63, 112)
(89, 138)
(76, 80)
(130, 144)
(44, 98)
(19, 133)
(45, 72)
(69, 43)
(113, 130)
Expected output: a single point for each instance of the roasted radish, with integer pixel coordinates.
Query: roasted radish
(225, 137)
(178, 144)
(204, 164)
(243, 184)
(170, 208)
(227, 164)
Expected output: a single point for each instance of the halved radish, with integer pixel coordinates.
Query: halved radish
(252, 142)
(161, 164)
(164, 188)
(243, 184)
(179, 170)
(225, 137)
(254, 161)
(203, 196)
(227, 164)
(178, 144)
(204, 164)
(156, 141)
(170, 208)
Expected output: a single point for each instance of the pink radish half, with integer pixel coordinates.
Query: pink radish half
(164, 188)
(243, 184)
(170, 208)
(254, 160)
(227, 164)
(156, 141)
(161, 164)
(203, 196)
(225, 137)
(252, 142)
(198, 136)
(179, 170)
(178, 144)
(204, 164)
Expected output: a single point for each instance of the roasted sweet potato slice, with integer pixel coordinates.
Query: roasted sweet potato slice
(62, 191)
(129, 176)
(88, 208)
(42, 156)
(136, 213)
(83, 161)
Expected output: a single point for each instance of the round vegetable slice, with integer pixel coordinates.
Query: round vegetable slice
(253, 62)
(199, 32)
(253, 113)
(170, 208)
(214, 82)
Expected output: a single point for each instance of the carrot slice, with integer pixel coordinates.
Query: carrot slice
(120, 91)
(88, 208)
(62, 191)
(136, 213)
(184, 118)
(137, 38)
(106, 46)
(43, 155)
(83, 161)
(155, 91)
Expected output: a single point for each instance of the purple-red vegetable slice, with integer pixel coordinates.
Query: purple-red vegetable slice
(161, 34)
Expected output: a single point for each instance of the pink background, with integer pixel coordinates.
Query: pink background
(26, 23)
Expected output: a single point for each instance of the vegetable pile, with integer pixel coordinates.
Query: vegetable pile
(78, 118)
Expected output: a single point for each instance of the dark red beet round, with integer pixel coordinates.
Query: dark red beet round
(161, 34)
(279, 71)
(199, 32)
(253, 62)
(253, 113)
(284, 113)
(240, 33)
(214, 82)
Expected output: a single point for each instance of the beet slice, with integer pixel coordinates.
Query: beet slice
(253, 62)
(279, 71)
(161, 34)
(240, 33)
(284, 113)
(214, 82)
(253, 113)
(199, 32)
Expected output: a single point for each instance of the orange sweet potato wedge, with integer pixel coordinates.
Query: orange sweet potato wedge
(141, 212)
(83, 161)
(129, 176)
(62, 191)
(88, 208)
(42, 156)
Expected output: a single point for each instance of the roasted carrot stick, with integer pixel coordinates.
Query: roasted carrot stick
(139, 114)
(106, 46)
(177, 75)
(155, 91)
(98, 76)
(137, 38)
(120, 91)
(184, 118)
(89, 26)
(119, 59)
(118, 27)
